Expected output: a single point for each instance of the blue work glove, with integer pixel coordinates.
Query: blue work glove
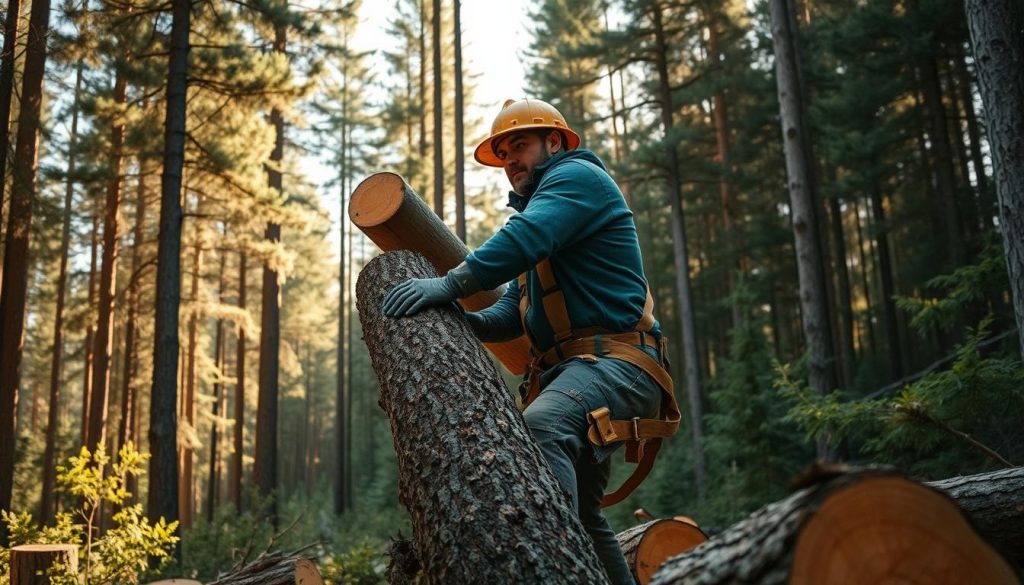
(416, 294)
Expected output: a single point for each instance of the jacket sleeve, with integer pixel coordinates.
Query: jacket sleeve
(569, 205)
(500, 321)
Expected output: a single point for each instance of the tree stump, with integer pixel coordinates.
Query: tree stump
(485, 507)
(650, 544)
(274, 569)
(30, 562)
(995, 503)
(391, 214)
(866, 527)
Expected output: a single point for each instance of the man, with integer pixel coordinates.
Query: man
(579, 291)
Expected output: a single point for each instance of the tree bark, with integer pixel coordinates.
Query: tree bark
(128, 430)
(163, 422)
(218, 359)
(90, 324)
(186, 492)
(998, 47)
(802, 189)
(14, 288)
(239, 428)
(861, 527)
(994, 501)
(7, 89)
(31, 562)
(648, 545)
(274, 569)
(265, 467)
(687, 322)
(485, 507)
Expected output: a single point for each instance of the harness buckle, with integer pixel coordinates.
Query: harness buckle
(599, 417)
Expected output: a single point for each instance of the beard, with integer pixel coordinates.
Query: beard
(530, 184)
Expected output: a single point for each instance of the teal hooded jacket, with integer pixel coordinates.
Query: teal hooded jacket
(578, 219)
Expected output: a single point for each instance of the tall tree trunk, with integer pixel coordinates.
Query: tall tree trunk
(460, 152)
(90, 330)
(468, 470)
(16, 249)
(423, 79)
(129, 389)
(104, 340)
(218, 359)
(844, 310)
(7, 91)
(885, 273)
(813, 295)
(438, 114)
(163, 423)
(47, 506)
(186, 495)
(865, 286)
(239, 429)
(998, 47)
(265, 468)
(342, 419)
(689, 351)
(986, 200)
(942, 152)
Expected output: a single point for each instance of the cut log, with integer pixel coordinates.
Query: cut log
(274, 569)
(31, 562)
(484, 505)
(865, 527)
(175, 582)
(649, 545)
(995, 503)
(391, 214)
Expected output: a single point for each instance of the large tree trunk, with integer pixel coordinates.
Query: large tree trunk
(163, 422)
(104, 340)
(7, 89)
(998, 47)
(802, 190)
(16, 251)
(856, 528)
(265, 467)
(485, 507)
(687, 321)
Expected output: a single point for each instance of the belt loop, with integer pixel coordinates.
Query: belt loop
(643, 339)
(636, 428)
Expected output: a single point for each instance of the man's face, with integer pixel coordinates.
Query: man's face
(521, 152)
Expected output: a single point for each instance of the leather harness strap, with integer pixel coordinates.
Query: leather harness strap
(642, 436)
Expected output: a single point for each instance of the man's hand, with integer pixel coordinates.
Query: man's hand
(416, 294)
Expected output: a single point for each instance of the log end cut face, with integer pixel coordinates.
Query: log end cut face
(892, 530)
(376, 199)
(662, 541)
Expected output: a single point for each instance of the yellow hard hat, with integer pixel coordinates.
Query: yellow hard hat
(523, 114)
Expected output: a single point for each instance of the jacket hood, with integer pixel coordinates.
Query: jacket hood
(519, 202)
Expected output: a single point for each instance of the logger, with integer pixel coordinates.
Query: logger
(597, 377)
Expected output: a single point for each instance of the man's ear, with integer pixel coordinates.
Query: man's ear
(553, 142)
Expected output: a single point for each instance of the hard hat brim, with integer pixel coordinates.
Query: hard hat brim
(484, 154)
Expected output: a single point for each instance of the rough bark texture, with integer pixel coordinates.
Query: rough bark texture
(274, 569)
(995, 503)
(763, 547)
(998, 47)
(30, 562)
(485, 507)
(802, 196)
(163, 422)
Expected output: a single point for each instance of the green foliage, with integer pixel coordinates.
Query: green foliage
(122, 553)
(962, 420)
(360, 565)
